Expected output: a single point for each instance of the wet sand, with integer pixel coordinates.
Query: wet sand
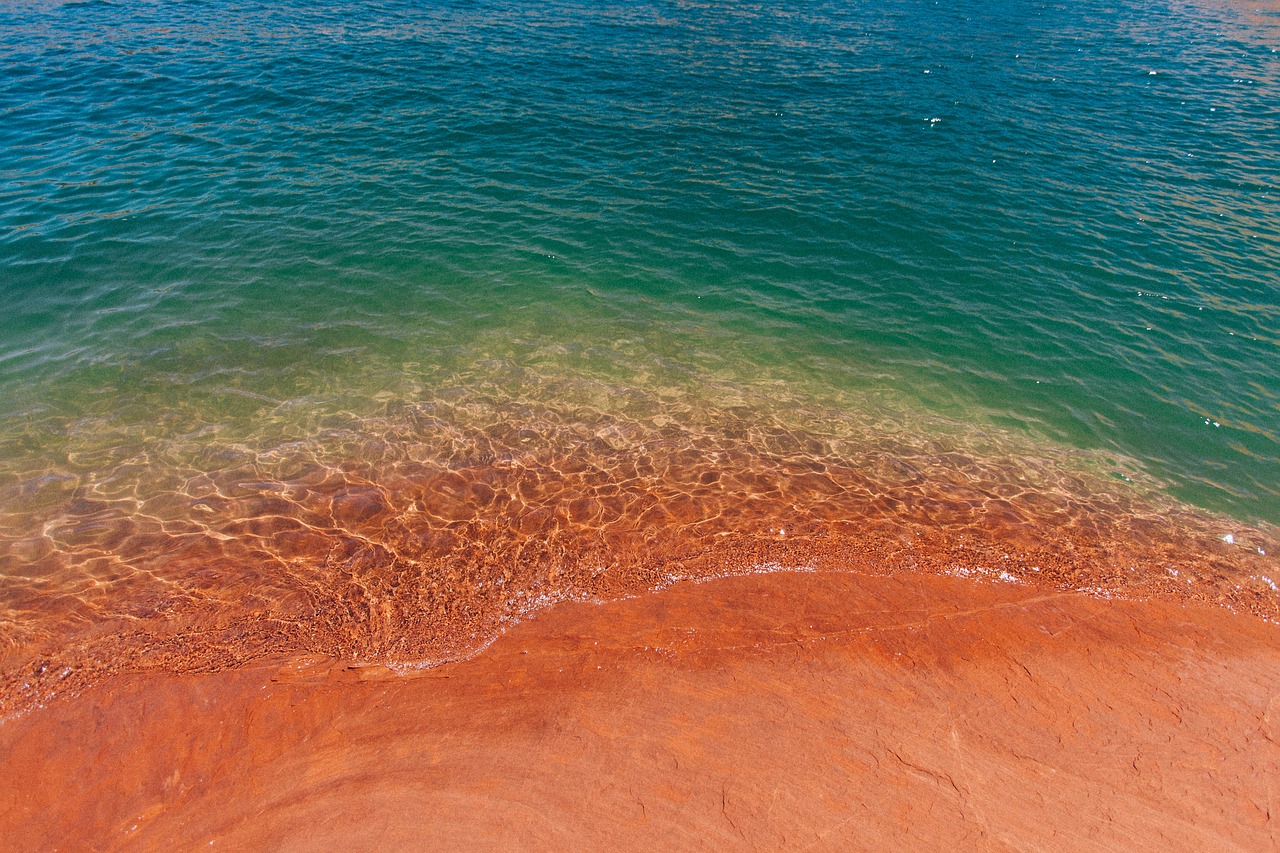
(796, 711)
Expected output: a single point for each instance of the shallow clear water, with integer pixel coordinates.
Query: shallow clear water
(233, 234)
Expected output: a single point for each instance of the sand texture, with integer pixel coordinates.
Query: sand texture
(786, 711)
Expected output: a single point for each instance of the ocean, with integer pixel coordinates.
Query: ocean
(366, 329)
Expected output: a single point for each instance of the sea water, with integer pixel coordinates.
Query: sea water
(363, 327)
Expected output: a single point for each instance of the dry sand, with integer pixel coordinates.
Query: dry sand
(788, 711)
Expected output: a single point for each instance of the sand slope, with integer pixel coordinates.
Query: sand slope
(776, 712)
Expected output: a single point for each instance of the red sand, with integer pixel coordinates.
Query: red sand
(784, 711)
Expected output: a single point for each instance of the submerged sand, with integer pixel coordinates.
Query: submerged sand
(783, 711)
(419, 534)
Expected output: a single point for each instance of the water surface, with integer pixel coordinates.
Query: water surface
(366, 325)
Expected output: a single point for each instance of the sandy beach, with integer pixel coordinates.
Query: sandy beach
(646, 426)
(784, 711)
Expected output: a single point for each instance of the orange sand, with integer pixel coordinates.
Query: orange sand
(785, 711)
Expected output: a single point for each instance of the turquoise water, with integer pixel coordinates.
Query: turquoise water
(242, 240)
(1061, 217)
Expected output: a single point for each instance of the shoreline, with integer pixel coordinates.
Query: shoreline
(1154, 571)
(776, 710)
(421, 540)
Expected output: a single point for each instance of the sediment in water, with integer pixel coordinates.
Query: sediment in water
(413, 535)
